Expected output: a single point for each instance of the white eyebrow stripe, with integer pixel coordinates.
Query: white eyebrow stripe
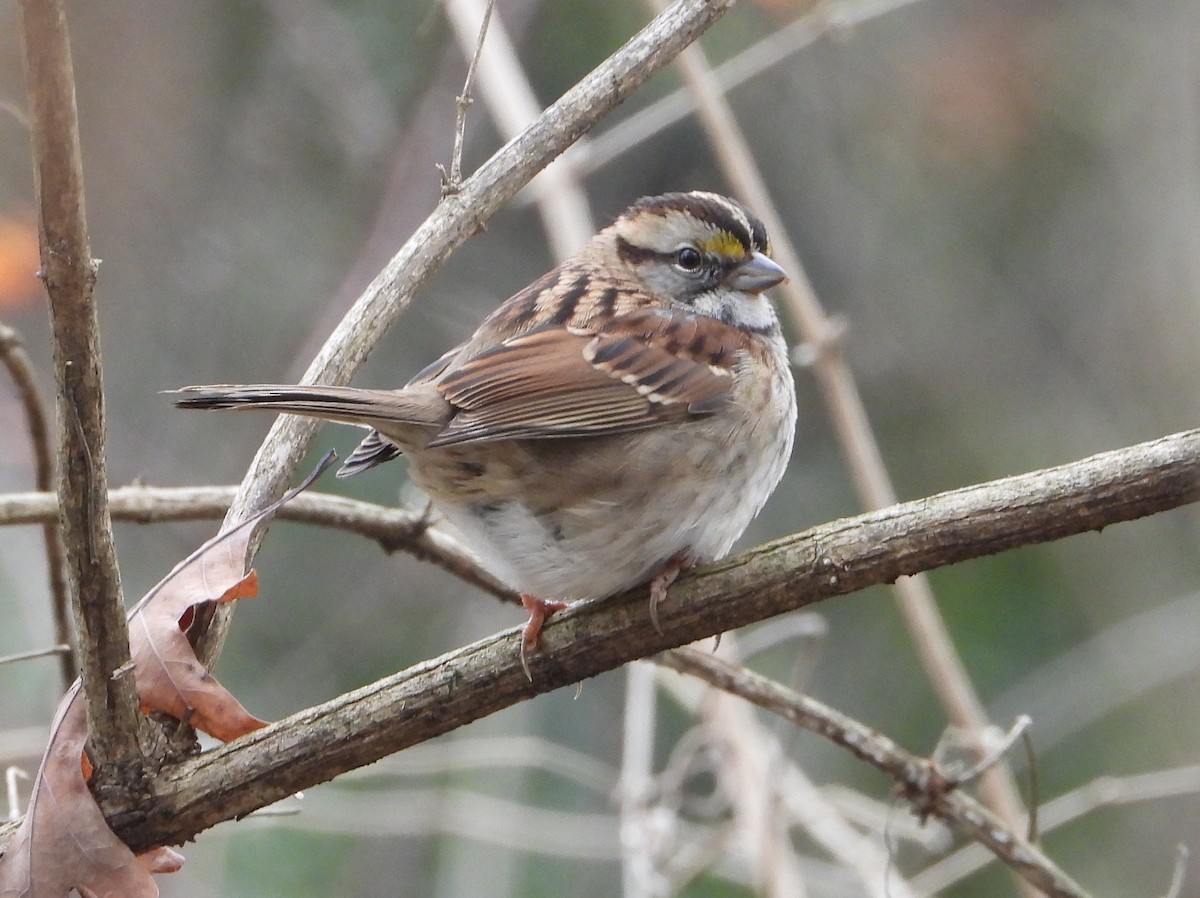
(735, 211)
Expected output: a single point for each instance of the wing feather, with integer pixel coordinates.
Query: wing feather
(620, 374)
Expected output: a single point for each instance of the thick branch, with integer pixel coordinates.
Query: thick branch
(69, 273)
(440, 695)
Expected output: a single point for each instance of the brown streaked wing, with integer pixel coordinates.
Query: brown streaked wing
(628, 373)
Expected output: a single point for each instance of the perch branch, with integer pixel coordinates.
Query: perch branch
(439, 695)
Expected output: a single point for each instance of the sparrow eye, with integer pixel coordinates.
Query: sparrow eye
(689, 259)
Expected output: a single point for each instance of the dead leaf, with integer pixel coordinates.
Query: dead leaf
(64, 841)
(156, 860)
(169, 676)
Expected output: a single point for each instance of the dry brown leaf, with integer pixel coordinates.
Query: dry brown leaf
(169, 677)
(64, 841)
(156, 860)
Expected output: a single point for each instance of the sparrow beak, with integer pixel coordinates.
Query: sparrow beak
(756, 274)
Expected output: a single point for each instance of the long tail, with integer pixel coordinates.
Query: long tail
(382, 410)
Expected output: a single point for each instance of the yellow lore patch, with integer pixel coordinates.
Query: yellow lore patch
(723, 243)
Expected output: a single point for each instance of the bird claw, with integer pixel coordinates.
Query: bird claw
(667, 574)
(540, 611)
(524, 656)
(658, 592)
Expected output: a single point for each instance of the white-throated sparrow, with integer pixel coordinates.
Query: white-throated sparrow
(623, 417)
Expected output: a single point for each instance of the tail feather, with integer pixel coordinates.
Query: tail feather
(373, 450)
(382, 410)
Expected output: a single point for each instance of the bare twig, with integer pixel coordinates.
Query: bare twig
(460, 814)
(17, 113)
(69, 273)
(457, 218)
(994, 752)
(558, 188)
(59, 650)
(452, 181)
(783, 791)
(394, 529)
(1105, 791)
(1125, 661)
(444, 693)
(749, 766)
(918, 779)
(1033, 788)
(16, 360)
(1181, 858)
(850, 423)
(828, 17)
(496, 753)
(639, 878)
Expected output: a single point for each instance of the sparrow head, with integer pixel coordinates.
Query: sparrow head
(701, 251)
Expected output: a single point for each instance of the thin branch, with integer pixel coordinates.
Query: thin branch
(510, 100)
(460, 814)
(785, 795)
(439, 695)
(457, 218)
(1175, 889)
(1125, 661)
(394, 529)
(639, 876)
(831, 17)
(16, 360)
(69, 273)
(1102, 792)
(452, 182)
(848, 415)
(748, 765)
(59, 650)
(919, 779)
(995, 753)
(526, 753)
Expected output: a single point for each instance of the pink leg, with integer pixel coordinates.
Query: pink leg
(540, 611)
(670, 570)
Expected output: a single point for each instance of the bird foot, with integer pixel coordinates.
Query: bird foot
(667, 574)
(540, 611)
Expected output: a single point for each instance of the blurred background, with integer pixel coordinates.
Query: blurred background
(1001, 200)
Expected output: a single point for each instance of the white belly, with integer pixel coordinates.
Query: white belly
(689, 487)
